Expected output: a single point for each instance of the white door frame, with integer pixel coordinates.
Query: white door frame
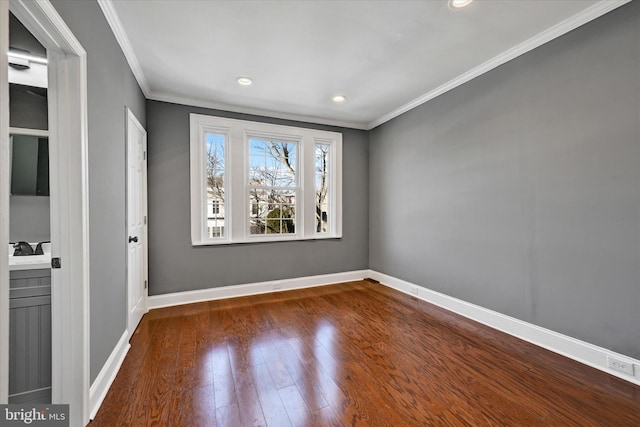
(131, 322)
(67, 94)
(5, 179)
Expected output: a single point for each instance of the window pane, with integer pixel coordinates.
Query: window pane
(272, 163)
(271, 211)
(322, 188)
(272, 166)
(215, 184)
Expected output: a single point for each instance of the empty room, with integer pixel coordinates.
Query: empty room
(320, 213)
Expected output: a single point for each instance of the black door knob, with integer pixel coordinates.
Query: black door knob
(133, 239)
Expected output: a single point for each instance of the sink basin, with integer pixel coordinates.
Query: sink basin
(33, 259)
(30, 262)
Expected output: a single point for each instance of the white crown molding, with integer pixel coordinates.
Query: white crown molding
(111, 15)
(587, 15)
(119, 32)
(193, 102)
(581, 18)
(570, 347)
(107, 374)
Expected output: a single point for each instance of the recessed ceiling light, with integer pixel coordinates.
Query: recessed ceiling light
(244, 81)
(457, 4)
(339, 99)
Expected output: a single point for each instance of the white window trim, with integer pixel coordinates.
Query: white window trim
(237, 134)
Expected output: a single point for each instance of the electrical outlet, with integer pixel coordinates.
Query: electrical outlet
(620, 365)
(414, 290)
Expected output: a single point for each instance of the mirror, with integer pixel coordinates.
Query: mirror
(29, 164)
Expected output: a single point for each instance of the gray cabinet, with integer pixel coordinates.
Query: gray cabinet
(30, 336)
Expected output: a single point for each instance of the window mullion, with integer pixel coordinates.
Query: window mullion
(308, 187)
(237, 186)
(203, 184)
(335, 174)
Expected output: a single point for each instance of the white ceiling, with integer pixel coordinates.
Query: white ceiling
(385, 56)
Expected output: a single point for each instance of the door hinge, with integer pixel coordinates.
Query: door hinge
(56, 263)
(145, 220)
(145, 284)
(144, 155)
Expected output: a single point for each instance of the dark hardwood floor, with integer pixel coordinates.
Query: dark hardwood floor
(349, 354)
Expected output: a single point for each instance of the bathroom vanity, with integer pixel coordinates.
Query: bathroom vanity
(30, 328)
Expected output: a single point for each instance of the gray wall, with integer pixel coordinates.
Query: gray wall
(520, 190)
(111, 88)
(29, 219)
(175, 265)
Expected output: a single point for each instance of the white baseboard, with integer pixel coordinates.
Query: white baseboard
(107, 374)
(188, 297)
(572, 348)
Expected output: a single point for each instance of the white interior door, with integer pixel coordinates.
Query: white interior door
(136, 222)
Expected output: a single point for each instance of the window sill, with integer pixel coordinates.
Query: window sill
(264, 240)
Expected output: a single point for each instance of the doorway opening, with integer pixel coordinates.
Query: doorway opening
(67, 144)
(29, 220)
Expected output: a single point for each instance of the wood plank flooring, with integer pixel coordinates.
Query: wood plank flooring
(353, 354)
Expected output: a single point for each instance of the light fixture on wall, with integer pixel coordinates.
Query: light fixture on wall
(23, 55)
(19, 63)
(244, 81)
(457, 4)
(21, 59)
(339, 99)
